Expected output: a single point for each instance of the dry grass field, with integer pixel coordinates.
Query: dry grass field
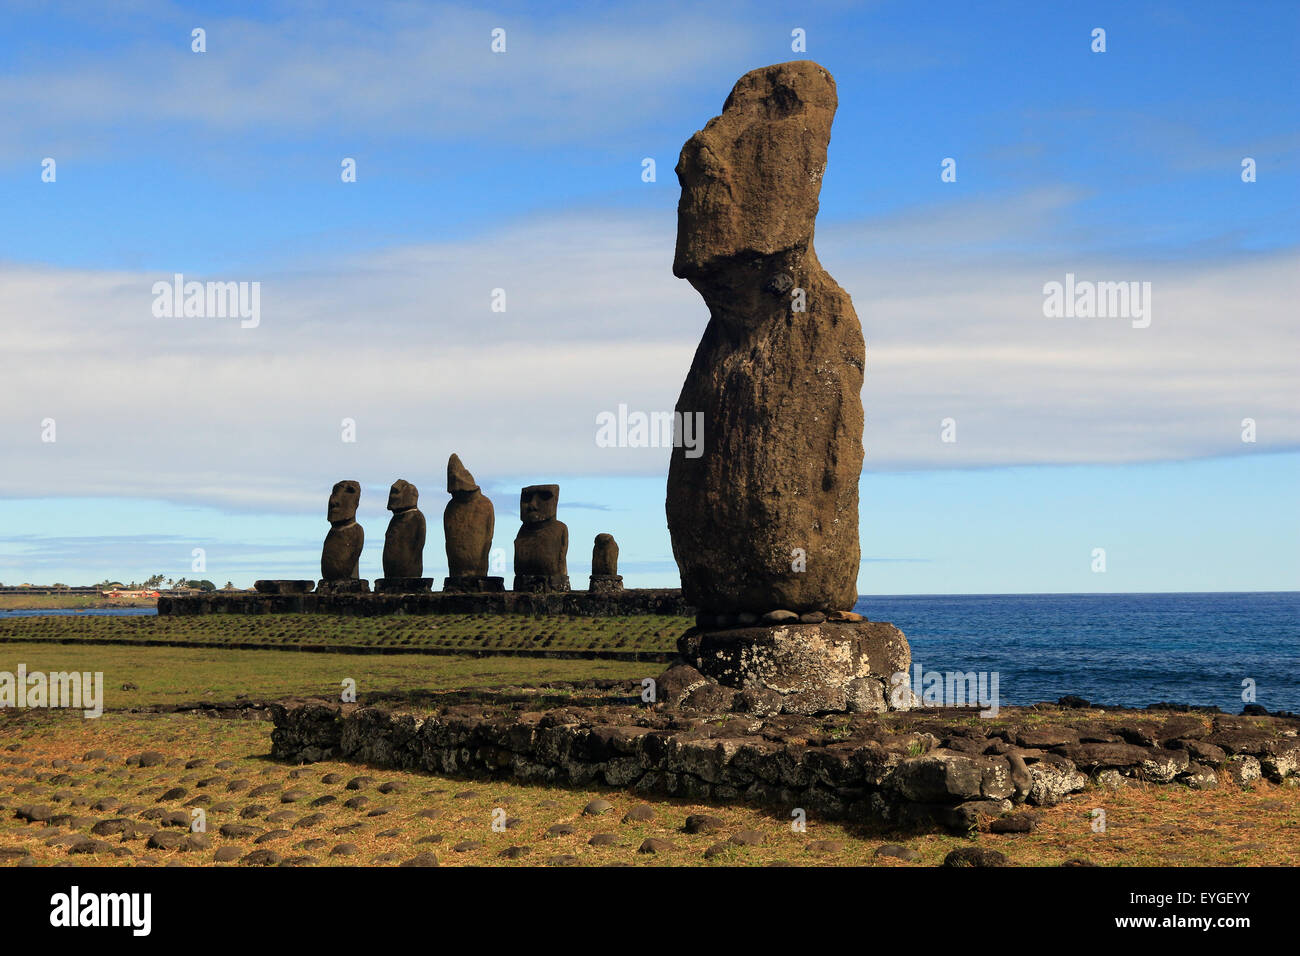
(93, 806)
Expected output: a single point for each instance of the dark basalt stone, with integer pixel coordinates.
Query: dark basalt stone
(341, 556)
(343, 586)
(473, 584)
(468, 523)
(604, 564)
(491, 598)
(542, 544)
(764, 513)
(283, 587)
(404, 539)
(540, 583)
(403, 585)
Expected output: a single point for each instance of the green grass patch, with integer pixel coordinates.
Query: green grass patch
(478, 632)
(143, 676)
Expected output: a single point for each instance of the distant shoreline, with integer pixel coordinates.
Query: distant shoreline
(43, 602)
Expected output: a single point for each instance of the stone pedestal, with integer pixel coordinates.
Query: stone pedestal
(606, 582)
(831, 666)
(473, 584)
(283, 587)
(344, 586)
(403, 585)
(540, 583)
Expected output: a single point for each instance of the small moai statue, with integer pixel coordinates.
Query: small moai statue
(542, 545)
(604, 565)
(340, 558)
(404, 543)
(468, 523)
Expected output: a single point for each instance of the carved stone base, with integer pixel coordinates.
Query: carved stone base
(403, 585)
(539, 583)
(803, 668)
(606, 582)
(344, 586)
(471, 584)
(283, 587)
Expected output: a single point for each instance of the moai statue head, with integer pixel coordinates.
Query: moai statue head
(344, 498)
(777, 121)
(537, 503)
(460, 483)
(604, 555)
(403, 496)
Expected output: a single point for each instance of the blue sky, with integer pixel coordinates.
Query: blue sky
(522, 171)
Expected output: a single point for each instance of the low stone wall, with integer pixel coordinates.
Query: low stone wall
(365, 604)
(925, 767)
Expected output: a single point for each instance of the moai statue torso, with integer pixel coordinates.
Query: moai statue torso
(604, 555)
(542, 545)
(340, 559)
(404, 540)
(604, 564)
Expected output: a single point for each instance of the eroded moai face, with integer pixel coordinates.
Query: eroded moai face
(344, 498)
(751, 188)
(403, 496)
(537, 503)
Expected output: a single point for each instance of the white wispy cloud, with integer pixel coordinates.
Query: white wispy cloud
(404, 342)
(421, 72)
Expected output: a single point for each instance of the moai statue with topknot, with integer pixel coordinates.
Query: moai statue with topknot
(542, 545)
(468, 524)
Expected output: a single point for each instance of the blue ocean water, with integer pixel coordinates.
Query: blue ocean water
(1120, 649)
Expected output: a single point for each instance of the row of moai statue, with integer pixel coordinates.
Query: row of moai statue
(469, 521)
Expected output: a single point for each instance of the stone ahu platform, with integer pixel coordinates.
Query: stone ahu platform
(925, 767)
(366, 603)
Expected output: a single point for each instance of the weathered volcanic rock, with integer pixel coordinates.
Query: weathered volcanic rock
(404, 585)
(468, 523)
(341, 555)
(404, 540)
(542, 544)
(283, 587)
(767, 515)
(814, 667)
(604, 555)
(604, 564)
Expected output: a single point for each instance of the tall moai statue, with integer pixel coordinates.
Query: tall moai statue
(763, 513)
(340, 559)
(767, 516)
(404, 542)
(542, 545)
(468, 523)
(604, 564)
